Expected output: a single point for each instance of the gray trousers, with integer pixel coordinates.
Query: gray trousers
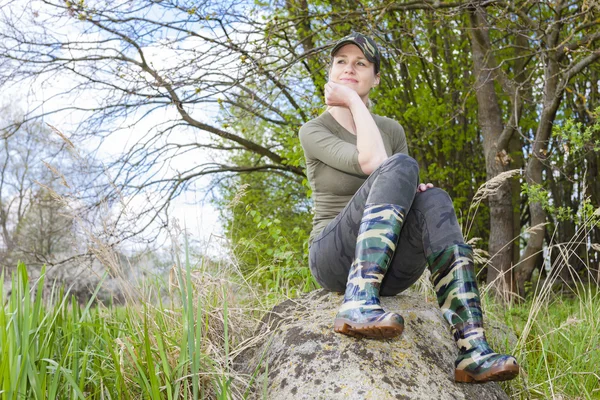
(430, 226)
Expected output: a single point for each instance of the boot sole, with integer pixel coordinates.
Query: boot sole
(379, 330)
(503, 373)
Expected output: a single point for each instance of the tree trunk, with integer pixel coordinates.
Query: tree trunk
(516, 154)
(533, 172)
(499, 274)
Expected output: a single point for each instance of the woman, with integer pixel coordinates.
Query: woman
(376, 229)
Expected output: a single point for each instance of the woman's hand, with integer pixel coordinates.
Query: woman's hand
(423, 187)
(339, 95)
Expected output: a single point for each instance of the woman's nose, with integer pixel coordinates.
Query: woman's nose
(349, 67)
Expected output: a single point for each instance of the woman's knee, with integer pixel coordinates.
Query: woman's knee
(432, 198)
(401, 159)
(402, 163)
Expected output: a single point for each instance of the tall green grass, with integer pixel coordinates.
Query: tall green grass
(558, 345)
(59, 349)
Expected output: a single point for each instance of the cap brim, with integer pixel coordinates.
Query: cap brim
(345, 42)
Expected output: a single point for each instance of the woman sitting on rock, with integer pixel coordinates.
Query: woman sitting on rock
(376, 228)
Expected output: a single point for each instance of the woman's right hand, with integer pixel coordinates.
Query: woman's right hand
(339, 95)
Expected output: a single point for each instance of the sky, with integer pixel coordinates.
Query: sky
(192, 209)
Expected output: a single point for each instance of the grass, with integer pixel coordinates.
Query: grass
(65, 350)
(59, 349)
(179, 345)
(558, 346)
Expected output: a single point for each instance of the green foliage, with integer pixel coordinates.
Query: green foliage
(285, 268)
(437, 110)
(583, 215)
(428, 85)
(576, 138)
(537, 194)
(267, 215)
(269, 222)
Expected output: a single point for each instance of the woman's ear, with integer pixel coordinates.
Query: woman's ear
(377, 80)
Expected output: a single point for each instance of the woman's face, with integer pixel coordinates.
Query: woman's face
(350, 67)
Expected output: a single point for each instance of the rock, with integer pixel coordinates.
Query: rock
(299, 356)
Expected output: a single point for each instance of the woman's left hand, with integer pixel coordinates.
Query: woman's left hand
(423, 187)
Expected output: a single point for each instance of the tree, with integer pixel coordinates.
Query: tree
(34, 225)
(220, 89)
(532, 41)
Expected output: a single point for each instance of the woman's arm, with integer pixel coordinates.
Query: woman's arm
(320, 144)
(371, 151)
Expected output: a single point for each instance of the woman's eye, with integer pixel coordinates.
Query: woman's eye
(362, 64)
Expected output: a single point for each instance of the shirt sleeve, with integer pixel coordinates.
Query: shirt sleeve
(400, 145)
(321, 144)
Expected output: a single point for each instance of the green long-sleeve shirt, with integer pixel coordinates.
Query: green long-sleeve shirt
(332, 164)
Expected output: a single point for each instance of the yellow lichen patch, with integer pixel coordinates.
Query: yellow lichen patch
(399, 360)
(377, 345)
(327, 347)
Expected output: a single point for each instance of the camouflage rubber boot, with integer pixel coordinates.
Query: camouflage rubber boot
(453, 277)
(361, 313)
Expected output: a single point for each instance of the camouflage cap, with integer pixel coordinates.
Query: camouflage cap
(364, 43)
